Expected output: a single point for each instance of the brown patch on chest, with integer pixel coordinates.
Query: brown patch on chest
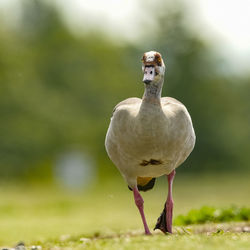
(151, 162)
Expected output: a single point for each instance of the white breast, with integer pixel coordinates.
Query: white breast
(149, 140)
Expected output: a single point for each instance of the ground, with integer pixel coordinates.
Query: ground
(105, 217)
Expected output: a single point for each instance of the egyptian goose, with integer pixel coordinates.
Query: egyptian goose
(150, 137)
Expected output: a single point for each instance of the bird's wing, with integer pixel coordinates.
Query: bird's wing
(169, 100)
(129, 101)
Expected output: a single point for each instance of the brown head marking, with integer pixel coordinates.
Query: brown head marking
(144, 58)
(158, 59)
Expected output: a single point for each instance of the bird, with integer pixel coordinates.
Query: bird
(150, 137)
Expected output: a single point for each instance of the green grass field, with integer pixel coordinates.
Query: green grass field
(105, 217)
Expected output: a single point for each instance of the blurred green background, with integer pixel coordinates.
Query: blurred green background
(58, 87)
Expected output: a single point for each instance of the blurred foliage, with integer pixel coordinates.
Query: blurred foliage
(211, 214)
(57, 91)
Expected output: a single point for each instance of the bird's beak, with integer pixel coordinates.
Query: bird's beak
(149, 74)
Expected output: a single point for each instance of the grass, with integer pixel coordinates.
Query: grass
(106, 218)
(211, 236)
(212, 214)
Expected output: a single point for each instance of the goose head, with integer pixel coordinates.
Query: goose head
(153, 68)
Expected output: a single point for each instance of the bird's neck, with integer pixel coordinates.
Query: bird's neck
(152, 93)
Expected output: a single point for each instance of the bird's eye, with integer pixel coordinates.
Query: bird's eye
(151, 72)
(156, 73)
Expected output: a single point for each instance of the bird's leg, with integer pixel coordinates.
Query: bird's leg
(139, 203)
(164, 222)
(170, 202)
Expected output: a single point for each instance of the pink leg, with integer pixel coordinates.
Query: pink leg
(139, 203)
(170, 202)
(164, 222)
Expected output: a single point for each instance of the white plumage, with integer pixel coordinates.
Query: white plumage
(140, 131)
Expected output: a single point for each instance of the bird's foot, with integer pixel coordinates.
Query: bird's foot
(162, 223)
(148, 233)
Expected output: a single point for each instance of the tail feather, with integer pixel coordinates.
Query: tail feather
(144, 184)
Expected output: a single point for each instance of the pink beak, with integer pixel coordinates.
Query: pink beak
(149, 74)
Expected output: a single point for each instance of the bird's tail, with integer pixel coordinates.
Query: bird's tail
(144, 183)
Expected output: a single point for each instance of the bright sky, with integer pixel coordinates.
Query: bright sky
(226, 23)
(229, 19)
